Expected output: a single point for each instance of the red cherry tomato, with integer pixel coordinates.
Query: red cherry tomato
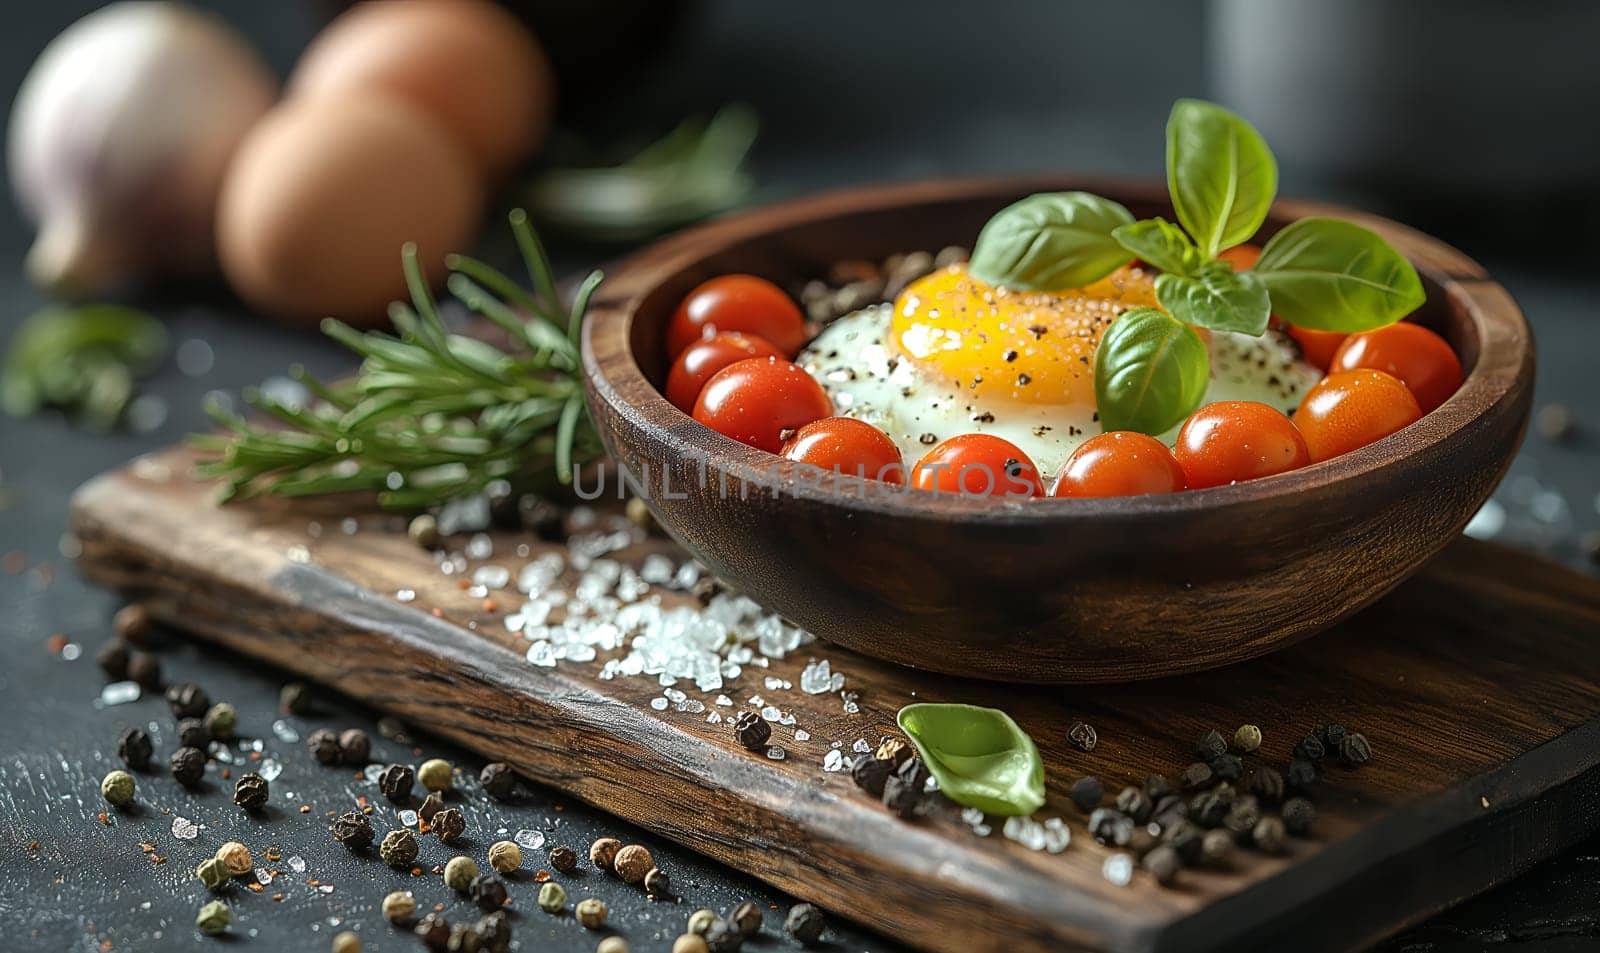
(977, 464)
(1241, 257)
(1235, 440)
(1120, 463)
(1421, 360)
(1318, 347)
(741, 303)
(1349, 409)
(757, 400)
(849, 446)
(704, 358)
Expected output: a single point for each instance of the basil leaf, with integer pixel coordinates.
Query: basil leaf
(1218, 298)
(1050, 241)
(1160, 243)
(1331, 275)
(979, 756)
(1221, 174)
(1150, 372)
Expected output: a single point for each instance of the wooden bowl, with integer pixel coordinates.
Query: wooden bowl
(1045, 590)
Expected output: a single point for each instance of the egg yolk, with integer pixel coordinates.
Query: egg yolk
(1033, 347)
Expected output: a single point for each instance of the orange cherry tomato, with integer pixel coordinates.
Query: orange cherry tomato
(1421, 359)
(1318, 347)
(759, 400)
(977, 464)
(1349, 409)
(1119, 463)
(849, 446)
(1235, 440)
(705, 357)
(741, 303)
(1241, 257)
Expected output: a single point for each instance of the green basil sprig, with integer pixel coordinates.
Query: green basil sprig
(1217, 297)
(1333, 275)
(1220, 173)
(1150, 372)
(979, 756)
(1051, 241)
(1162, 244)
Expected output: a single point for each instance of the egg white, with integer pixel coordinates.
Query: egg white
(868, 379)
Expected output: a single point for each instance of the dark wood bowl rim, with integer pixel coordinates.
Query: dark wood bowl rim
(1505, 356)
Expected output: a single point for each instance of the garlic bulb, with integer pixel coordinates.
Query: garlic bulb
(119, 139)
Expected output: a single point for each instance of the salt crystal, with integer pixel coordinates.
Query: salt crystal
(800, 734)
(1118, 869)
(405, 595)
(659, 704)
(492, 577)
(693, 706)
(771, 713)
(1056, 835)
(861, 746)
(687, 575)
(372, 773)
(285, 732)
(408, 817)
(297, 554)
(786, 718)
(775, 753)
(714, 718)
(270, 769)
(120, 693)
(816, 678)
(184, 829)
(529, 839)
(297, 864)
(480, 546)
(834, 760)
(774, 683)
(325, 888)
(674, 695)
(71, 651)
(542, 654)
(263, 876)
(724, 701)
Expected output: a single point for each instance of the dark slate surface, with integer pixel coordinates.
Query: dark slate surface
(848, 94)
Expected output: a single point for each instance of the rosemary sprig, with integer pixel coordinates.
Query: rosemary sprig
(431, 415)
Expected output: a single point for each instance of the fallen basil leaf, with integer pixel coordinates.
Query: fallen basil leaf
(1150, 372)
(1162, 244)
(978, 755)
(82, 359)
(1221, 174)
(1051, 241)
(1331, 275)
(1218, 298)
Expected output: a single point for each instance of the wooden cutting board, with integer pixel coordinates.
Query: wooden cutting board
(1478, 683)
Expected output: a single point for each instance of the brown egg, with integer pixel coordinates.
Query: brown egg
(322, 195)
(470, 63)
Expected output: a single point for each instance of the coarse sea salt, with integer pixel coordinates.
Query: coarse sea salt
(529, 839)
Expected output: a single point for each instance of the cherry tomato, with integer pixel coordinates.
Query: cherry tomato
(1235, 440)
(1120, 463)
(1421, 359)
(977, 464)
(705, 357)
(756, 400)
(1317, 347)
(741, 303)
(1349, 409)
(1241, 257)
(849, 446)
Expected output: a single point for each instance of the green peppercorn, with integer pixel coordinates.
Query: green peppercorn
(213, 918)
(399, 848)
(221, 721)
(117, 788)
(424, 531)
(212, 874)
(399, 906)
(1247, 739)
(436, 774)
(592, 912)
(552, 897)
(700, 921)
(459, 872)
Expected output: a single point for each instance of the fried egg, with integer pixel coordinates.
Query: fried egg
(953, 355)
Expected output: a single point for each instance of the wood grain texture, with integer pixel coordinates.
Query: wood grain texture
(1048, 590)
(1478, 681)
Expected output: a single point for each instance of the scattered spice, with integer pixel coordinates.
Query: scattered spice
(723, 937)
(132, 624)
(353, 830)
(1354, 749)
(612, 944)
(434, 932)
(1197, 775)
(657, 884)
(700, 921)
(1247, 739)
(591, 912)
(1300, 776)
(324, 746)
(1269, 835)
(499, 780)
(250, 791)
(494, 929)
(188, 766)
(895, 751)
(145, 669)
(1216, 848)
(631, 863)
(113, 659)
(212, 874)
(1298, 816)
(192, 733)
(135, 749)
(1211, 746)
(603, 852)
(488, 892)
(1156, 787)
(213, 918)
(552, 897)
(448, 825)
(296, 698)
(1083, 736)
(1086, 793)
(399, 907)
(1136, 804)
(399, 848)
(355, 748)
(746, 918)
(805, 923)
(221, 721)
(235, 858)
(1267, 783)
(505, 856)
(564, 859)
(459, 873)
(117, 788)
(1163, 863)
(752, 730)
(395, 782)
(870, 774)
(1310, 748)
(1227, 767)
(431, 806)
(1555, 423)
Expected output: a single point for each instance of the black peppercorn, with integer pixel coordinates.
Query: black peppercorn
(1267, 783)
(135, 750)
(395, 782)
(1184, 838)
(431, 805)
(1143, 840)
(1163, 863)
(1110, 827)
(752, 730)
(1156, 787)
(915, 773)
(1211, 746)
(498, 780)
(324, 746)
(746, 918)
(296, 698)
(1216, 847)
(448, 825)
(144, 669)
(354, 747)
(902, 795)
(1227, 767)
(805, 923)
(1242, 818)
(113, 659)
(1207, 809)
(434, 932)
(192, 733)
(1310, 748)
(1333, 736)
(870, 774)
(1300, 776)
(564, 859)
(722, 937)
(398, 847)
(494, 931)
(1269, 834)
(188, 700)
(657, 885)
(1169, 808)
(1298, 816)
(188, 766)
(1197, 775)
(1087, 793)
(488, 892)
(1083, 736)
(1136, 804)
(1354, 749)
(250, 792)
(354, 831)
